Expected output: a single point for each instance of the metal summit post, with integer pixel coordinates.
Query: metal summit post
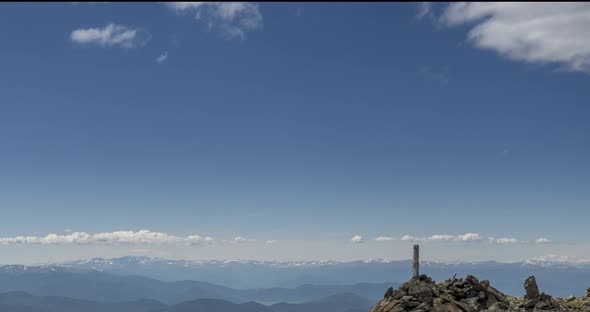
(416, 266)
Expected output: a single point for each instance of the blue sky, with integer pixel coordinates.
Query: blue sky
(295, 127)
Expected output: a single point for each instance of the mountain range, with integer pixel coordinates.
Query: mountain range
(24, 302)
(173, 281)
(107, 287)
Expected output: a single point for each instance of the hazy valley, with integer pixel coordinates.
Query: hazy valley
(105, 285)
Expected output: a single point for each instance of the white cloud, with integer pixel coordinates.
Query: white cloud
(232, 18)
(117, 237)
(385, 238)
(440, 237)
(141, 237)
(74, 238)
(425, 9)
(530, 32)
(408, 238)
(110, 35)
(197, 239)
(503, 240)
(184, 5)
(240, 239)
(357, 239)
(444, 237)
(91, 3)
(271, 241)
(561, 258)
(162, 57)
(468, 237)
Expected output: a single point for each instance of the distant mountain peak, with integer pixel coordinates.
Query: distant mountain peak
(105, 264)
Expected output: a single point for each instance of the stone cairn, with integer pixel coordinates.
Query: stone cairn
(535, 301)
(421, 294)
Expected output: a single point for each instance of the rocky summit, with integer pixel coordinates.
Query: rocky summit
(470, 295)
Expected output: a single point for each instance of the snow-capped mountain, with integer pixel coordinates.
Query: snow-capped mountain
(106, 264)
(555, 273)
(27, 268)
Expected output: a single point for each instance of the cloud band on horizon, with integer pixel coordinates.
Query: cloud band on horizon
(116, 237)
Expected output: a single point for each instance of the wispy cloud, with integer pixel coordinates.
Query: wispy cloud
(162, 57)
(561, 258)
(444, 237)
(530, 32)
(110, 35)
(271, 241)
(385, 238)
(467, 237)
(542, 240)
(424, 10)
(357, 239)
(299, 12)
(240, 239)
(117, 237)
(503, 240)
(233, 19)
(429, 73)
(91, 3)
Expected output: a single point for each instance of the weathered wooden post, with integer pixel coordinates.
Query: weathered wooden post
(416, 266)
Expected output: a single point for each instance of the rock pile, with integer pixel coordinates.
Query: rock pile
(533, 300)
(421, 294)
(452, 295)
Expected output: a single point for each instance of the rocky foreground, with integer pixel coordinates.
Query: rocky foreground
(470, 295)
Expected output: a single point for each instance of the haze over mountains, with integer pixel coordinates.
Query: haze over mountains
(99, 286)
(561, 278)
(173, 281)
(23, 302)
(75, 287)
(127, 284)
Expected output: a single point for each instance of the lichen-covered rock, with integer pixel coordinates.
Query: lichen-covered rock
(531, 288)
(422, 294)
(498, 307)
(422, 289)
(452, 295)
